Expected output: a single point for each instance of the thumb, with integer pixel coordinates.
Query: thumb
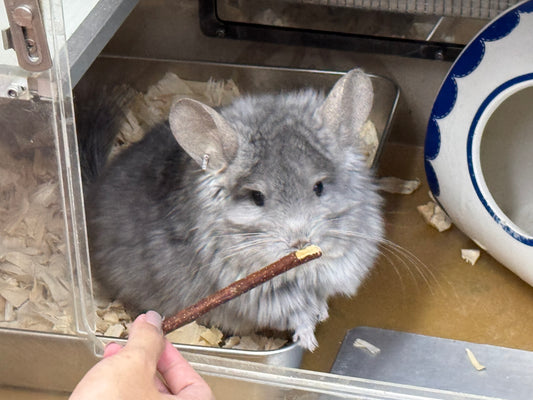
(146, 336)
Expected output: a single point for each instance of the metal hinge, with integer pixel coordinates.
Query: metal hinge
(26, 35)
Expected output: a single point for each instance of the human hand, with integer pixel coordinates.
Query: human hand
(147, 367)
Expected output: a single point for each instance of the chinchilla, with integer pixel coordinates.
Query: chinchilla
(211, 196)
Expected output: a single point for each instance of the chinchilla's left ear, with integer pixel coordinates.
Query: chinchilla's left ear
(348, 106)
(202, 131)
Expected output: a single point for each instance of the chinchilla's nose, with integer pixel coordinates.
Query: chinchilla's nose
(300, 244)
(297, 232)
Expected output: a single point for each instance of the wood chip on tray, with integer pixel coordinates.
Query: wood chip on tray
(473, 360)
(435, 216)
(395, 185)
(470, 255)
(115, 330)
(363, 344)
(369, 142)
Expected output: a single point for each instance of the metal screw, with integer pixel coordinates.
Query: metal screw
(33, 53)
(220, 32)
(15, 90)
(439, 55)
(23, 16)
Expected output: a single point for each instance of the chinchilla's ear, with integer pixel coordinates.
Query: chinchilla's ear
(202, 131)
(348, 106)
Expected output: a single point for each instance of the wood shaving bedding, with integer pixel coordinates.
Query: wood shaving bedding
(34, 284)
(34, 289)
(114, 321)
(151, 108)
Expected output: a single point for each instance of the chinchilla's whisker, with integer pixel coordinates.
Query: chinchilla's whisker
(246, 245)
(419, 266)
(242, 235)
(229, 251)
(407, 258)
(348, 235)
(258, 245)
(404, 261)
(389, 260)
(413, 258)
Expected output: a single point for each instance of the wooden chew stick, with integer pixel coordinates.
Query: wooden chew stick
(241, 286)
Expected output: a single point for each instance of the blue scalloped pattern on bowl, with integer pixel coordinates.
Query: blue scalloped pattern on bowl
(467, 62)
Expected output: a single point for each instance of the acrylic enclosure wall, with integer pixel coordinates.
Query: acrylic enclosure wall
(43, 252)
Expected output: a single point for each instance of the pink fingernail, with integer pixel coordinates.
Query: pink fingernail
(152, 317)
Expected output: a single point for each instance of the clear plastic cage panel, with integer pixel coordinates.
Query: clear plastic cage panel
(43, 257)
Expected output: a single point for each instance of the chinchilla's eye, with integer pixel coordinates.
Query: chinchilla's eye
(258, 198)
(318, 188)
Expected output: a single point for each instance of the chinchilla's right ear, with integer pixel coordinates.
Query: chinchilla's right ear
(202, 131)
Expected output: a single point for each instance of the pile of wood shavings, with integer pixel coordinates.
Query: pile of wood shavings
(199, 335)
(113, 321)
(34, 288)
(153, 107)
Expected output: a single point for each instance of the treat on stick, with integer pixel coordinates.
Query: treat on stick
(241, 286)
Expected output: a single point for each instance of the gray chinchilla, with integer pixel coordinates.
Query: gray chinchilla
(211, 196)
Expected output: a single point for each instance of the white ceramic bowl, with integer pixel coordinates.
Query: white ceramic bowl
(479, 142)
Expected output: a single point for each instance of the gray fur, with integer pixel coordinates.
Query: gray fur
(164, 233)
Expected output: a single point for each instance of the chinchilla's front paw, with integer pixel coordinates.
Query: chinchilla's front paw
(305, 338)
(323, 313)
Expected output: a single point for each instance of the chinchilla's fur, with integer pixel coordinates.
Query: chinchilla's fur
(284, 171)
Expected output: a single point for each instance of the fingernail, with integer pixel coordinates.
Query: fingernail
(153, 318)
(107, 346)
(111, 349)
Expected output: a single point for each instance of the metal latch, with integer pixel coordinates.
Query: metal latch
(27, 35)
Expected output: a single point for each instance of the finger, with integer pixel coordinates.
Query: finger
(180, 377)
(111, 349)
(146, 337)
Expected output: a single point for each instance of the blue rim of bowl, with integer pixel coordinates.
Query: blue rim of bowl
(528, 240)
(469, 59)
